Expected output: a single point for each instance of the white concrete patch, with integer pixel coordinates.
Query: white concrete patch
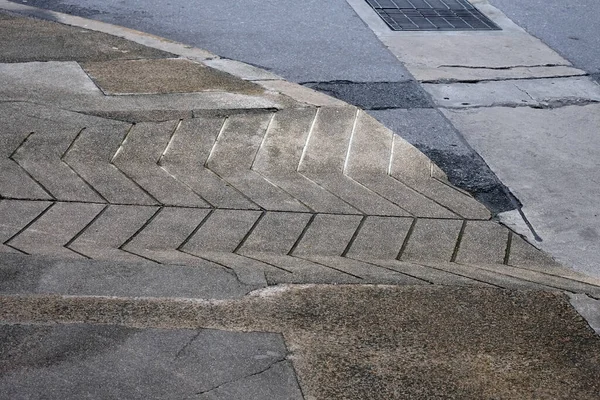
(588, 308)
(529, 92)
(549, 159)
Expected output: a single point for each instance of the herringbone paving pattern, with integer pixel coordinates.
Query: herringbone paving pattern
(308, 195)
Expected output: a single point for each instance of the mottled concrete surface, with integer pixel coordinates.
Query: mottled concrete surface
(384, 342)
(27, 39)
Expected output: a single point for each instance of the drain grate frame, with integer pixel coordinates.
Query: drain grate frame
(432, 15)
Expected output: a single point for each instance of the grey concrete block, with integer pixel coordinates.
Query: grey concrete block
(379, 238)
(432, 240)
(276, 233)
(483, 242)
(327, 235)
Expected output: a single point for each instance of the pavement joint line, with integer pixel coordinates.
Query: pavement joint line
(302, 234)
(393, 270)
(411, 229)
(247, 235)
(78, 234)
(196, 229)
(23, 229)
(264, 262)
(347, 158)
(508, 248)
(459, 274)
(458, 241)
(141, 228)
(328, 266)
(354, 236)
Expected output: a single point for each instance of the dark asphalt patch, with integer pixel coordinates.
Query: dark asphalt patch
(376, 95)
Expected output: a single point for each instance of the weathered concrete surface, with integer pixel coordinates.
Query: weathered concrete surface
(163, 76)
(383, 342)
(27, 39)
(115, 362)
(551, 92)
(588, 308)
(549, 159)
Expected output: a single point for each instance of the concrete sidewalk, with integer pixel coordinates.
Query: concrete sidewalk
(158, 204)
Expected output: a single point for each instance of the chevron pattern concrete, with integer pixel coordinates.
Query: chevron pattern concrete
(308, 195)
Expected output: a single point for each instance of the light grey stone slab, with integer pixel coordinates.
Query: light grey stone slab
(138, 158)
(232, 157)
(224, 230)
(280, 153)
(483, 242)
(557, 90)
(112, 228)
(380, 238)
(325, 156)
(90, 154)
(162, 236)
(276, 232)
(327, 235)
(77, 361)
(469, 74)
(185, 158)
(432, 240)
(41, 156)
(546, 157)
(55, 228)
(46, 275)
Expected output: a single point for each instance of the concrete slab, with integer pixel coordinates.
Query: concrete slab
(548, 159)
(551, 92)
(160, 76)
(27, 39)
(100, 362)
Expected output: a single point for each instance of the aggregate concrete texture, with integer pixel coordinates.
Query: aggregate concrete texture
(365, 342)
(548, 158)
(77, 361)
(26, 39)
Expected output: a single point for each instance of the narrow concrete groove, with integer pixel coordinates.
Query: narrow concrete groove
(406, 239)
(393, 270)
(78, 253)
(354, 236)
(85, 228)
(554, 275)
(378, 195)
(302, 234)
(247, 235)
(162, 155)
(461, 275)
(265, 262)
(508, 245)
(89, 185)
(347, 158)
(328, 267)
(308, 137)
(310, 209)
(120, 148)
(62, 157)
(141, 228)
(141, 256)
(503, 67)
(187, 239)
(262, 142)
(458, 241)
(33, 221)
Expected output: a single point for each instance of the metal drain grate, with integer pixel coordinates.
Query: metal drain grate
(432, 15)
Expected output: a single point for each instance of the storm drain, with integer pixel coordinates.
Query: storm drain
(432, 15)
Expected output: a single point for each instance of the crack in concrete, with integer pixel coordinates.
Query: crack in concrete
(242, 378)
(502, 68)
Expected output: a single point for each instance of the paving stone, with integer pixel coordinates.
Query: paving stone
(432, 240)
(248, 271)
(160, 363)
(280, 153)
(327, 235)
(41, 156)
(276, 232)
(163, 76)
(232, 157)
(325, 157)
(112, 228)
(138, 158)
(483, 242)
(224, 231)
(59, 224)
(90, 154)
(426, 274)
(185, 158)
(15, 215)
(36, 275)
(165, 232)
(379, 238)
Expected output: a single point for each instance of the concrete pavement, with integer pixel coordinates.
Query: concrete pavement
(159, 199)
